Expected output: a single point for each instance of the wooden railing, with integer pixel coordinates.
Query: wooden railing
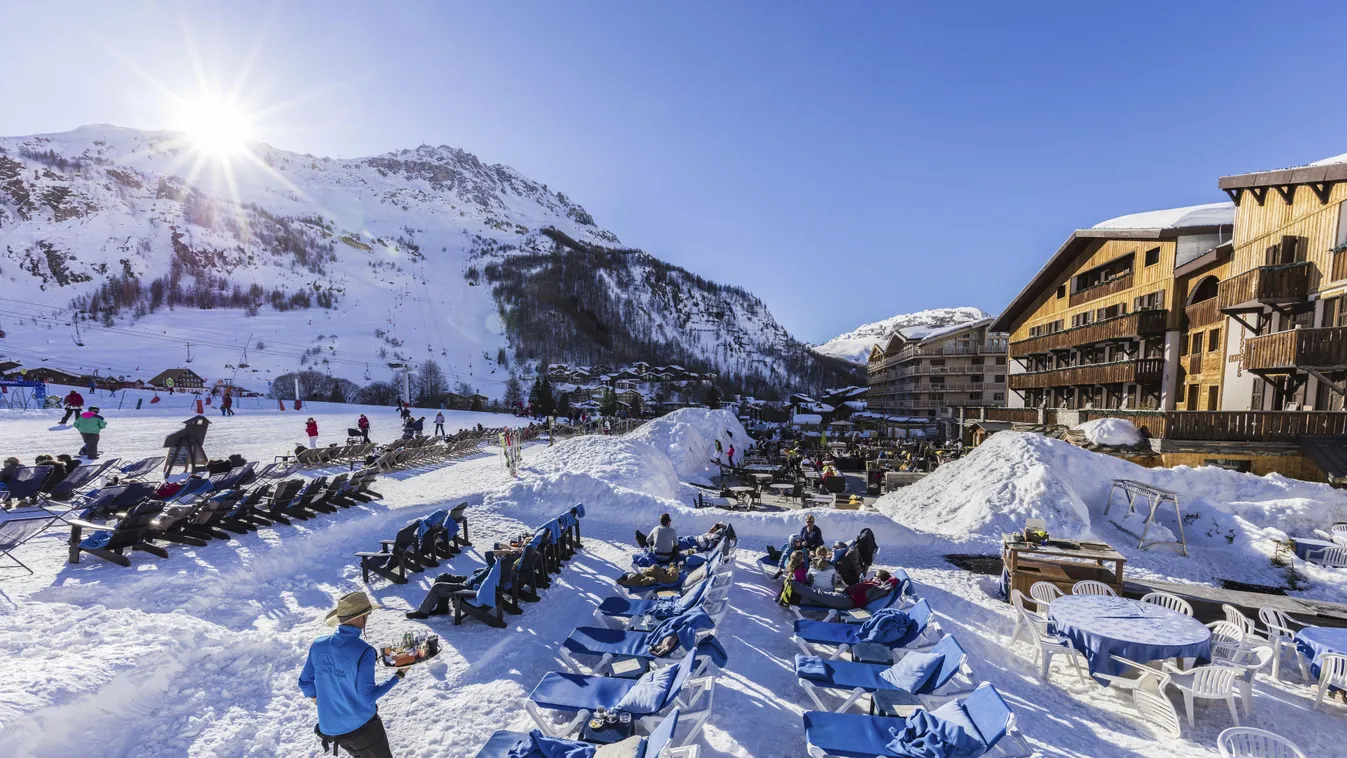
(1339, 265)
(1136, 324)
(1253, 426)
(1313, 348)
(1015, 415)
(1142, 370)
(1194, 363)
(1265, 284)
(1204, 313)
(1111, 287)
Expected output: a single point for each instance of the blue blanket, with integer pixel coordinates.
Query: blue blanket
(685, 625)
(811, 667)
(886, 626)
(538, 745)
(926, 736)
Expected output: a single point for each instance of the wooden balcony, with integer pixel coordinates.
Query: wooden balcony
(1111, 287)
(1142, 370)
(1204, 313)
(1133, 325)
(1265, 284)
(1324, 348)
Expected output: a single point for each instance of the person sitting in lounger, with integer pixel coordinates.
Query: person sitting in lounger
(812, 535)
(663, 539)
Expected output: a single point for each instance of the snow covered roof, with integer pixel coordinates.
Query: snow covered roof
(1210, 214)
(942, 332)
(806, 418)
(858, 405)
(817, 407)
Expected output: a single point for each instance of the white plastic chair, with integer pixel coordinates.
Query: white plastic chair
(1328, 557)
(1045, 645)
(1249, 662)
(1332, 673)
(1245, 624)
(1091, 587)
(1336, 533)
(1172, 602)
(1247, 742)
(1279, 635)
(1205, 683)
(1227, 640)
(1044, 593)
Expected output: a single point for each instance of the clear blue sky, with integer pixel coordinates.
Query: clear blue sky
(844, 161)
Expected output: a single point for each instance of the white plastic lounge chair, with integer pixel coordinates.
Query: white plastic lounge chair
(852, 681)
(1332, 673)
(1148, 696)
(1328, 557)
(1091, 587)
(1166, 600)
(842, 637)
(1247, 742)
(1045, 645)
(1336, 534)
(1213, 682)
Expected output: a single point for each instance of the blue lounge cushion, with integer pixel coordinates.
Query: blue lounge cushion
(649, 694)
(572, 692)
(97, 540)
(914, 671)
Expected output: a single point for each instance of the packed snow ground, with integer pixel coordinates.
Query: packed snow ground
(198, 654)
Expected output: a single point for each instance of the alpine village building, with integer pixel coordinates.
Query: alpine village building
(1219, 330)
(932, 374)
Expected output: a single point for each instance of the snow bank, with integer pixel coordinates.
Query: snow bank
(1111, 431)
(688, 437)
(1016, 475)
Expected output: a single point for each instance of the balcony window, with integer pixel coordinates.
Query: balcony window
(1152, 256)
(1000, 361)
(1114, 269)
(1061, 291)
(1197, 343)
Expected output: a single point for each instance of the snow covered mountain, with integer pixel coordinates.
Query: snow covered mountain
(855, 346)
(126, 252)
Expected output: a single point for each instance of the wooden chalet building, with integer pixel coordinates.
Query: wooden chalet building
(183, 379)
(952, 367)
(1286, 298)
(1105, 323)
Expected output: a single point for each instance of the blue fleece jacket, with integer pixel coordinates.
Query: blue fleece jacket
(340, 673)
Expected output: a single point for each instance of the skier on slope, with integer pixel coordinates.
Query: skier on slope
(311, 429)
(439, 424)
(363, 425)
(74, 403)
(90, 425)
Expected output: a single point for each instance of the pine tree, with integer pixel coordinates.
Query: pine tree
(547, 402)
(712, 397)
(564, 405)
(608, 405)
(514, 392)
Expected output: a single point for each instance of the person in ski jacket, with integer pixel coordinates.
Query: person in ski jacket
(338, 676)
(90, 425)
(730, 453)
(363, 425)
(73, 403)
(311, 429)
(720, 449)
(419, 426)
(227, 405)
(439, 424)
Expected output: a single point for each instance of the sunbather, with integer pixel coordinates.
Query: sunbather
(812, 535)
(436, 601)
(663, 539)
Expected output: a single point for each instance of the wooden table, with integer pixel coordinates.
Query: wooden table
(1026, 564)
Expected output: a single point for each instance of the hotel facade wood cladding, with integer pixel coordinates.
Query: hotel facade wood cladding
(925, 378)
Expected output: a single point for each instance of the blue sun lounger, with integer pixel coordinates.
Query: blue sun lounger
(984, 715)
(843, 636)
(615, 611)
(901, 597)
(653, 697)
(855, 680)
(657, 745)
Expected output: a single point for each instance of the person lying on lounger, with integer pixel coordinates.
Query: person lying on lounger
(857, 595)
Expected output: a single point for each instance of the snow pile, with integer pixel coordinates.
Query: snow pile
(688, 436)
(1014, 476)
(1112, 432)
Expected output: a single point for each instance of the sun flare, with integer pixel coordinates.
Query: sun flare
(217, 127)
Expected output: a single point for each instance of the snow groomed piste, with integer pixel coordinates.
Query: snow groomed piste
(199, 653)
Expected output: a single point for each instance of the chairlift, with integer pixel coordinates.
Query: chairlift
(367, 376)
(189, 352)
(79, 341)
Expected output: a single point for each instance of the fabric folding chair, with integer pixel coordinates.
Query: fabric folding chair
(16, 530)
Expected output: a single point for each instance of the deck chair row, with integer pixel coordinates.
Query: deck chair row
(621, 665)
(127, 518)
(502, 585)
(923, 670)
(322, 456)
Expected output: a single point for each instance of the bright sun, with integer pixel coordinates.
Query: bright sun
(217, 127)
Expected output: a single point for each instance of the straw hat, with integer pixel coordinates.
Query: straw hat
(352, 606)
